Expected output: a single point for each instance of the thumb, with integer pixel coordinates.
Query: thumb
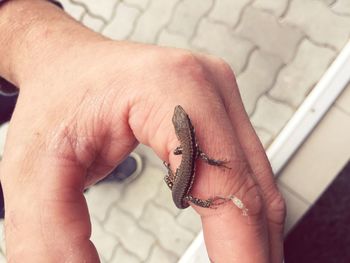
(46, 218)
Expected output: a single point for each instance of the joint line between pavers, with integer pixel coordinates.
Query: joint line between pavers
(295, 194)
(114, 13)
(88, 11)
(240, 18)
(285, 11)
(165, 26)
(196, 27)
(136, 20)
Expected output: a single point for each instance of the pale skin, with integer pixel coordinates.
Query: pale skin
(85, 102)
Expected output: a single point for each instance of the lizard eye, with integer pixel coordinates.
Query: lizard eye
(170, 184)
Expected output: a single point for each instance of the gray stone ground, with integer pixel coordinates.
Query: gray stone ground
(278, 50)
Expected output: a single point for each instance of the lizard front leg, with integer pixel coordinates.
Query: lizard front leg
(178, 150)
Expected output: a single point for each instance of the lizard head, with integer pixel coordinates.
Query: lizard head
(180, 119)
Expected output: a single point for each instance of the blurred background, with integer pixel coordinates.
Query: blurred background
(279, 50)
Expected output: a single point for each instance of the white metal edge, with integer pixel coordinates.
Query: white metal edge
(297, 129)
(195, 251)
(311, 111)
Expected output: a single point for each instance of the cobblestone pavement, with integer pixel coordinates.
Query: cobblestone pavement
(278, 50)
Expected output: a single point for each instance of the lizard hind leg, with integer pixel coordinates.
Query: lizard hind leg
(208, 203)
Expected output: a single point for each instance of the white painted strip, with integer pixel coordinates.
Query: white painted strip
(196, 253)
(295, 132)
(311, 111)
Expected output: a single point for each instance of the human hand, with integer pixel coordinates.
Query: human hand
(85, 102)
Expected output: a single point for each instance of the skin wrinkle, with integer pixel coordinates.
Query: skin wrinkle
(63, 136)
(254, 210)
(101, 165)
(122, 128)
(56, 199)
(232, 186)
(28, 167)
(158, 131)
(67, 131)
(76, 149)
(71, 133)
(135, 114)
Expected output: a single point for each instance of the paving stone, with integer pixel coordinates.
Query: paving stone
(343, 102)
(275, 7)
(271, 115)
(163, 225)
(320, 158)
(150, 157)
(296, 80)
(164, 199)
(103, 241)
(187, 15)
(139, 3)
(258, 78)
(122, 255)
(3, 133)
(122, 23)
(147, 184)
(131, 236)
(172, 40)
(103, 8)
(158, 255)
(269, 34)
(265, 137)
(319, 22)
(296, 206)
(93, 23)
(190, 220)
(328, 2)
(219, 40)
(228, 11)
(101, 197)
(342, 7)
(74, 10)
(151, 22)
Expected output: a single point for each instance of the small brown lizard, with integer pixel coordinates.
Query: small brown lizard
(182, 180)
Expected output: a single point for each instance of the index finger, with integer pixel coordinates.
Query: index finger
(255, 155)
(45, 206)
(225, 228)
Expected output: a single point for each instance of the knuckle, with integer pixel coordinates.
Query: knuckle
(277, 208)
(185, 65)
(184, 59)
(225, 69)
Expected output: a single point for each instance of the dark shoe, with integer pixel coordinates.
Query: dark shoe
(126, 171)
(7, 106)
